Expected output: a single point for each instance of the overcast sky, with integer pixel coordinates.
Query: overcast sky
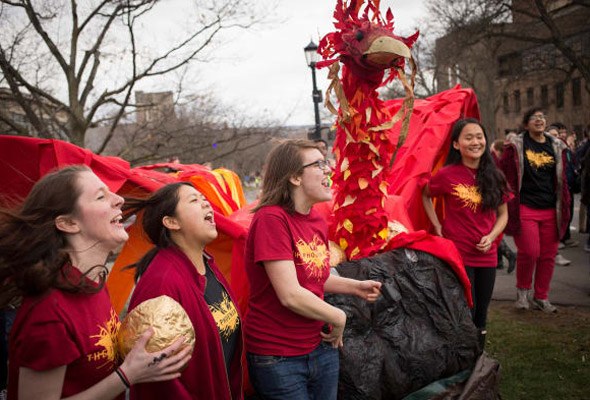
(262, 70)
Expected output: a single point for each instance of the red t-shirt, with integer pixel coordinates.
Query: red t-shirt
(59, 328)
(465, 223)
(270, 328)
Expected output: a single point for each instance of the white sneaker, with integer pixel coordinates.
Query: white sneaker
(544, 306)
(522, 300)
(561, 260)
(561, 246)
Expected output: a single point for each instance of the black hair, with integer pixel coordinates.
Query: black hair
(528, 114)
(489, 179)
(159, 205)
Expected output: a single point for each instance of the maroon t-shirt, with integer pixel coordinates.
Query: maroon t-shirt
(274, 235)
(465, 223)
(59, 328)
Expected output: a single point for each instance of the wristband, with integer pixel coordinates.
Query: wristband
(123, 377)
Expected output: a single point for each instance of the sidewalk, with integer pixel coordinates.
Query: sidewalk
(570, 284)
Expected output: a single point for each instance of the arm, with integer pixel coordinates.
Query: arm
(367, 290)
(48, 384)
(429, 209)
(486, 242)
(296, 298)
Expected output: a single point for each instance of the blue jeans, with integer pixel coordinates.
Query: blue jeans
(313, 376)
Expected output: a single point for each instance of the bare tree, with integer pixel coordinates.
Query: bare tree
(478, 20)
(71, 66)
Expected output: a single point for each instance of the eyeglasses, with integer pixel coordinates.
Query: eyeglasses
(537, 118)
(321, 164)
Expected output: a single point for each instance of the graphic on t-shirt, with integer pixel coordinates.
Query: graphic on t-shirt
(314, 255)
(468, 194)
(225, 316)
(107, 337)
(539, 160)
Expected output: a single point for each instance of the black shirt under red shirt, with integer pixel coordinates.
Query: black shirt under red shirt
(538, 181)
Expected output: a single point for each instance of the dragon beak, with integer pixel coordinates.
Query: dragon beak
(385, 49)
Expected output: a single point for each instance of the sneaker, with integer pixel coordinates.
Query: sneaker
(587, 247)
(544, 306)
(561, 260)
(571, 243)
(561, 246)
(522, 300)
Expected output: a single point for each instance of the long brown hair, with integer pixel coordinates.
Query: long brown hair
(283, 163)
(33, 257)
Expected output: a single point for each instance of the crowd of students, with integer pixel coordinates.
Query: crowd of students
(53, 250)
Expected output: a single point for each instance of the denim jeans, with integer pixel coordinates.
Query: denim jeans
(313, 376)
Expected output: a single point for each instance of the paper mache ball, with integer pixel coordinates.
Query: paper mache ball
(168, 320)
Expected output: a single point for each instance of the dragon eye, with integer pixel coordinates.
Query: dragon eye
(359, 35)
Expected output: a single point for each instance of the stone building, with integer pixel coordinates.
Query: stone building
(511, 75)
(154, 107)
(14, 120)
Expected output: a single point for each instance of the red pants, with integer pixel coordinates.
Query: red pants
(537, 246)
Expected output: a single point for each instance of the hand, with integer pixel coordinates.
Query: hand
(485, 244)
(368, 290)
(141, 366)
(334, 337)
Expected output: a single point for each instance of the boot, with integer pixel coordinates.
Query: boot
(511, 260)
(507, 252)
(500, 264)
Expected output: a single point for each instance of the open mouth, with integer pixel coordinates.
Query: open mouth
(209, 217)
(117, 220)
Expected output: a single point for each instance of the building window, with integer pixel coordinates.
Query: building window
(517, 101)
(576, 92)
(530, 97)
(544, 96)
(505, 103)
(559, 91)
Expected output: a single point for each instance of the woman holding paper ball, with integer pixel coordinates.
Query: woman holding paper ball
(52, 254)
(180, 222)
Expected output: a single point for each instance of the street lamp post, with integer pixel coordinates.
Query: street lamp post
(311, 57)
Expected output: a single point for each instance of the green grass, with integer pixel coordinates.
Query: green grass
(541, 356)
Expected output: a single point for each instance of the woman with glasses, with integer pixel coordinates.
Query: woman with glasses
(534, 165)
(292, 334)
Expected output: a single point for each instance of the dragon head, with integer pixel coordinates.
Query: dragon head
(364, 41)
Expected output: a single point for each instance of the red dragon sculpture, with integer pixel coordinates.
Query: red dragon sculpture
(364, 150)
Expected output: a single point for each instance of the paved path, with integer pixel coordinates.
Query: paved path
(570, 285)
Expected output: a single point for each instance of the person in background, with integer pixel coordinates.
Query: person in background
(180, 222)
(52, 252)
(474, 193)
(585, 196)
(581, 153)
(534, 165)
(559, 258)
(571, 173)
(504, 251)
(290, 355)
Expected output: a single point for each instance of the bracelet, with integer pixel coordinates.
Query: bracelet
(123, 377)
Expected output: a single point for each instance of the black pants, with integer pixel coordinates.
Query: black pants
(482, 285)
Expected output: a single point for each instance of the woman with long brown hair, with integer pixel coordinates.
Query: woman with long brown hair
(289, 355)
(52, 253)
